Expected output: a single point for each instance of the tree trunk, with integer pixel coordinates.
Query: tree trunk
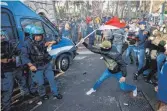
(151, 6)
(122, 12)
(116, 11)
(55, 12)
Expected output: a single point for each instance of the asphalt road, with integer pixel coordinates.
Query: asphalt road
(83, 73)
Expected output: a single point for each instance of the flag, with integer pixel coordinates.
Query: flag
(113, 23)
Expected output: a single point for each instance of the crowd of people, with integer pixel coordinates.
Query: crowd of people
(144, 45)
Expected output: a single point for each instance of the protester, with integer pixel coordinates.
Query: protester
(92, 36)
(118, 37)
(66, 31)
(142, 37)
(107, 34)
(83, 29)
(116, 67)
(74, 31)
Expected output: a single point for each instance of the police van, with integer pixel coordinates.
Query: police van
(15, 16)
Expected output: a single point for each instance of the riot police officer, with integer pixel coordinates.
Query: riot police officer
(35, 55)
(10, 70)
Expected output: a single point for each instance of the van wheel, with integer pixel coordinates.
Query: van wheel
(63, 62)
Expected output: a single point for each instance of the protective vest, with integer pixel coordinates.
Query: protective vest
(39, 55)
(6, 49)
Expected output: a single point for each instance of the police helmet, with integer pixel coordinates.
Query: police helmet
(106, 44)
(33, 30)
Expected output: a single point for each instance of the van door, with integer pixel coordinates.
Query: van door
(8, 24)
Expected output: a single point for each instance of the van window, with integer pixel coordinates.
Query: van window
(48, 32)
(25, 22)
(7, 27)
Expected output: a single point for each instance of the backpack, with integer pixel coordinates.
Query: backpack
(111, 64)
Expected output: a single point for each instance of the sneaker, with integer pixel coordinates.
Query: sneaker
(135, 92)
(135, 76)
(59, 96)
(101, 58)
(90, 91)
(45, 97)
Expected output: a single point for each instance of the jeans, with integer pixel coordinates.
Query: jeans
(107, 74)
(38, 77)
(140, 57)
(118, 47)
(130, 52)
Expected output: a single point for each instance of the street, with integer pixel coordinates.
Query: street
(83, 73)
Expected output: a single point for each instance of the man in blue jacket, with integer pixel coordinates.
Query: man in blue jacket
(142, 37)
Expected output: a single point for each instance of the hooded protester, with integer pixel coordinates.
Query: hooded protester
(116, 67)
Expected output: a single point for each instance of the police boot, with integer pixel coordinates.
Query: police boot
(45, 97)
(59, 96)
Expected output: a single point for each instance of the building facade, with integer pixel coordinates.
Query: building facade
(45, 8)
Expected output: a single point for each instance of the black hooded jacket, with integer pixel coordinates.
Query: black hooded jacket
(111, 54)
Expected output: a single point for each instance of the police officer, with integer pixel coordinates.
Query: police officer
(35, 55)
(9, 71)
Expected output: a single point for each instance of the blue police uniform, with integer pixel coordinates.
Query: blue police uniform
(74, 32)
(10, 71)
(44, 67)
(36, 53)
(162, 82)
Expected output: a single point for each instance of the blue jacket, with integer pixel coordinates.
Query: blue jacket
(162, 84)
(142, 39)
